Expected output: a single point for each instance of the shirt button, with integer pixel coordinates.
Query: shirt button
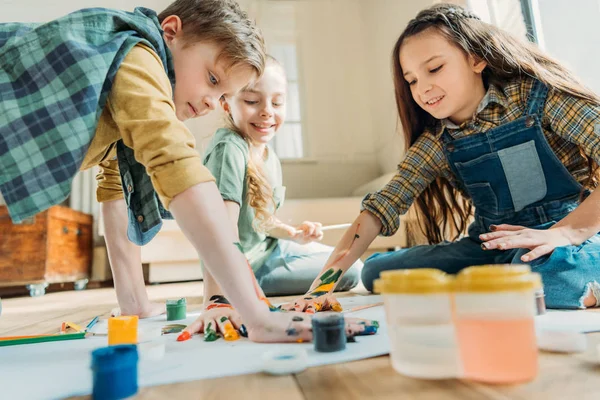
(529, 122)
(450, 148)
(140, 218)
(129, 188)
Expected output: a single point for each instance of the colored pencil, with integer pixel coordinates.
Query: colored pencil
(17, 340)
(91, 324)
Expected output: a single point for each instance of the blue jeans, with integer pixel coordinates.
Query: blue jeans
(293, 267)
(568, 273)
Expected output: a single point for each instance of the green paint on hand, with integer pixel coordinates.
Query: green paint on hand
(332, 278)
(326, 274)
(210, 335)
(223, 319)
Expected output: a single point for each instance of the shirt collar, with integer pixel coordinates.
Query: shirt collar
(494, 95)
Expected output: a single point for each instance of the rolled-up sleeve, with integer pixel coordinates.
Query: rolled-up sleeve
(142, 107)
(109, 182)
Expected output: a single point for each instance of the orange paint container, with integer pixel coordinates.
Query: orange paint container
(123, 330)
(494, 316)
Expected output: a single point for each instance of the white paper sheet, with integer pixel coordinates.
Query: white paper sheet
(56, 370)
(571, 321)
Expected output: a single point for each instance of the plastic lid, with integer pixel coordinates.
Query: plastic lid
(497, 278)
(424, 280)
(328, 320)
(180, 302)
(283, 362)
(114, 357)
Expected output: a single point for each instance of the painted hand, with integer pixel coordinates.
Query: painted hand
(319, 297)
(311, 232)
(540, 242)
(313, 304)
(218, 317)
(297, 327)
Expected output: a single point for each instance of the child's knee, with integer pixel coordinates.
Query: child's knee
(591, 295)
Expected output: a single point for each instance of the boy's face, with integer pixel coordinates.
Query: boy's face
(443, 80)
(259, 109)
(201, 78)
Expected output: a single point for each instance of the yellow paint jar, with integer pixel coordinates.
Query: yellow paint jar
(123, 330)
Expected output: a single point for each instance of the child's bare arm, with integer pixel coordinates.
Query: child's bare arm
(125, 263)
(352, 245)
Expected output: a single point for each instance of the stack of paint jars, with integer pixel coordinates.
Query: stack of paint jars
(477, 326)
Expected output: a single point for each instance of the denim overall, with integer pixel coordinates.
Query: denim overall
(513, 177)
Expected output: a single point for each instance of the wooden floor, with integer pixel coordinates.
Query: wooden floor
(561, 376)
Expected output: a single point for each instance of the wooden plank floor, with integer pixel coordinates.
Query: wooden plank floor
(561, 376)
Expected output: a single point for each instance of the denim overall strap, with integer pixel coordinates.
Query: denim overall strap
(537, 98)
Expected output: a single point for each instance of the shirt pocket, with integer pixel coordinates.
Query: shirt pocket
(524, 174)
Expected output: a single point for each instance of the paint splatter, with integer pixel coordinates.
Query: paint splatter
(172, 328)
(297, 319)
(337, 307)
(292, 332)
(210, 335)
(219, 299)
(243, 331)
(230, 334)
(223, 319)
(328, 281)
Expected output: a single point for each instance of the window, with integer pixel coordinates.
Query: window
(289, 142)
(567, 30)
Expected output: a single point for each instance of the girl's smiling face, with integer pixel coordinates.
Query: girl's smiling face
(443, 80)
(259, 109)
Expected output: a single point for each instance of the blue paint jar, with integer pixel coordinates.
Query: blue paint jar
(114, 370)
(329, 333)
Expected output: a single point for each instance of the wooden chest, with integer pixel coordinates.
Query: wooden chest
(55, 246)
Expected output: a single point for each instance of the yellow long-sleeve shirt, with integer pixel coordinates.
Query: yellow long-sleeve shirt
(140, 110)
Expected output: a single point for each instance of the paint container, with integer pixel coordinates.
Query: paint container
(176, 309)
(418, 305)
(329, 333)
(123, 330)
(114, 372)
(494, 311)
(540, 301)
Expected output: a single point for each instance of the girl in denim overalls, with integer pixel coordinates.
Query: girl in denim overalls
(495, 120)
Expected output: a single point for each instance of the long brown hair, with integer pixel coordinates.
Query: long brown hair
(260, 192)
(225, 24)
(507, 57)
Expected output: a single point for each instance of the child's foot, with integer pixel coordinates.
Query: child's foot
(297, 327)
(152, 310)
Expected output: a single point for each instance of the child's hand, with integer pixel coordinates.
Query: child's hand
(540, 242)
(297, 327)
(312, 304)
(218, 316)
(310, 232)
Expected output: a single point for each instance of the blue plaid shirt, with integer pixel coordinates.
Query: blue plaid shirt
(54, 82)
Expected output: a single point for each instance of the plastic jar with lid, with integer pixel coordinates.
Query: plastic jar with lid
(495, 309)
(419, 319)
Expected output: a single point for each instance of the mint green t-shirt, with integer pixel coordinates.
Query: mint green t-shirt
(227, 158)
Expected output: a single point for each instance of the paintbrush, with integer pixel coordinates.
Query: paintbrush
(329, 228)
(363, 307)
